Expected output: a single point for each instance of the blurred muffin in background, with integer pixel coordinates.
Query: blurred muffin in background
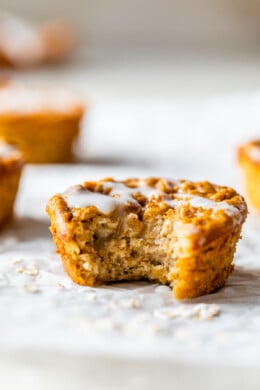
(4, 80)
(22, 44)
(11, 164)
(249, 161)
(43, 122)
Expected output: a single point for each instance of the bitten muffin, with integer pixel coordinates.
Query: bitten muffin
(249, 161)
(42, 122)
(11, 164)
(179, 233)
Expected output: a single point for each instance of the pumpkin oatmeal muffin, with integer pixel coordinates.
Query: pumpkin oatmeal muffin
(11, 164)
(42, 122)
(249, 161)
(179, 233)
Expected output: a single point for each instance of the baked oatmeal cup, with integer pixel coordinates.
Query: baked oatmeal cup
(179, 233)
(44, 123)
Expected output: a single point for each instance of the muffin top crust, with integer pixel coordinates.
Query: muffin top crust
(200, 211)
(108, 194)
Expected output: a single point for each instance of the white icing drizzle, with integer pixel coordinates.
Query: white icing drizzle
(6, 150)
(120, 194)
(126, 193)
(106, 204)
(253, 152)
(200, 201)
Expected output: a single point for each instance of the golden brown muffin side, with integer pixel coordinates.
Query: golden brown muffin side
(10, 173)
(42, 138)
(208, 269)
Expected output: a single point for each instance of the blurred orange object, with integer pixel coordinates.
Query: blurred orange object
(57, 38)
(43, 122)
(22, 44)
(4, 80)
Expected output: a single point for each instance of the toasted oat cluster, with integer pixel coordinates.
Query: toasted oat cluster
(249, 161)
(42, 122)
(11, 164)
(179, 233)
